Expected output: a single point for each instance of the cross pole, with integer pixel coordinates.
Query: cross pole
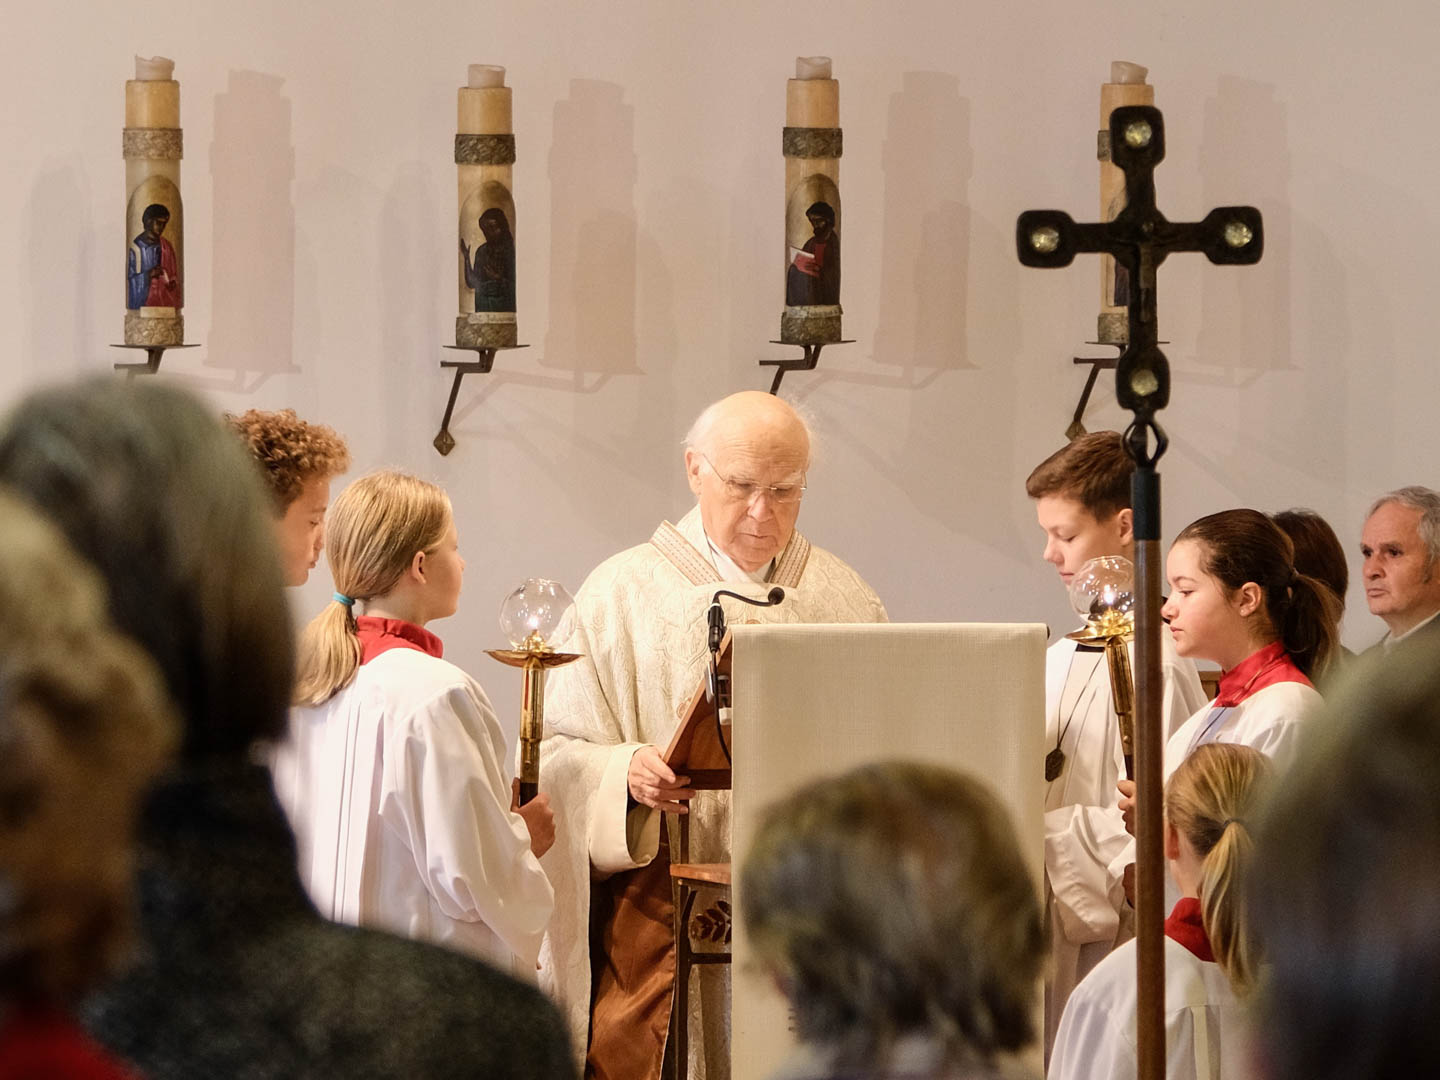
(1140, 238)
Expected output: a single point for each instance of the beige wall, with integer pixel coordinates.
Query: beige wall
(320, 249)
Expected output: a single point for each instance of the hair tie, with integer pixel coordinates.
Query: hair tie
(1232, 821)
(1294, 576)
(341, 598)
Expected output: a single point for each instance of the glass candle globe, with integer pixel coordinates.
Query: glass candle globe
(1103, 594)
(540, 614)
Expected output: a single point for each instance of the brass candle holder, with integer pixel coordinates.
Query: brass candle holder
(536, 614)
(1103, 594)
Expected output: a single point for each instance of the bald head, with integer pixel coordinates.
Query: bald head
(751, 416)
(746, 457)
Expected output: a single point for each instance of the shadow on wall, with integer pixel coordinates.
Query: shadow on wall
(252, 169)
(1245, 161)
(928, 162)
(413, 248)
(1247, 314)
(57, 254)
(755, 251)
(592, 233)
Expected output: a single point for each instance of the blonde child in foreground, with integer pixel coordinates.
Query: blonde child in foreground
(1210, 954)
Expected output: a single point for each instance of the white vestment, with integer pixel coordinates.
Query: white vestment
(1269, 720)
(399, 795)
(1084, 831)
(1204, 1023)
(640, 624)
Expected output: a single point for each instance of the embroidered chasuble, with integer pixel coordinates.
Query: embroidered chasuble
(640, 625)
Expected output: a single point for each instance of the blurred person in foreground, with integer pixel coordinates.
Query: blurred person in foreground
(1347, 869)
(79, 743)
(895, 913)
(238, 974)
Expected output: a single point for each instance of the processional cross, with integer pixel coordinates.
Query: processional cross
(1139, 239)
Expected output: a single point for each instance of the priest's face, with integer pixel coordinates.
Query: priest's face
(749, 482)
(300, 531)
(1074, 536)
(1402, 586)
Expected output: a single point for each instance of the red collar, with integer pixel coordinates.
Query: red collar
(1260, 669)
(381, 635)
(1185, 926)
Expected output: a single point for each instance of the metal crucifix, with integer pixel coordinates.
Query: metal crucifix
(1140, 238)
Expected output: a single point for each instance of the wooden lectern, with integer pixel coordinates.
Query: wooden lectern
(700, 750)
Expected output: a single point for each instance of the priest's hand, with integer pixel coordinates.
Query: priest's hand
(1126, 803)
(538, 818)
(654, 784)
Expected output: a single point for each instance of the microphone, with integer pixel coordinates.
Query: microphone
(715, 617)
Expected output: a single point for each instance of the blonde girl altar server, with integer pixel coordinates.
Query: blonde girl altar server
(394, 774)
(1210, 954)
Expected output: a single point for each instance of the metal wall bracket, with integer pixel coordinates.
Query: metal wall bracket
(806, 362)
(151, 364)
(481, 365)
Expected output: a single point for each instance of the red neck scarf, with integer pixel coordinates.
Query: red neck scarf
(381, 635)
(1185, 926)
(1260, 669)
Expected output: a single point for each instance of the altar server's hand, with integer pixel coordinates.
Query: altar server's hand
(1126, 803)
(538, 818)
(655, 784)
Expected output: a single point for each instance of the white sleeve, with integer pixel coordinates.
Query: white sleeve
(1092, 1043)
(444, 792)
(622, 836)
(1080, 844)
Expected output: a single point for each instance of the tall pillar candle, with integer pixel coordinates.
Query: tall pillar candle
(812, 146)
(154, 215)
(485, 164)
(1127, 86)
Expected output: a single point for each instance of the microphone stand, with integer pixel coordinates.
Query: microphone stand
(717, 685)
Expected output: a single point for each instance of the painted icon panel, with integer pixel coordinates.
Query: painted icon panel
(487, 250)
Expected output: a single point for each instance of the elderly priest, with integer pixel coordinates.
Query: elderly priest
(641, 626)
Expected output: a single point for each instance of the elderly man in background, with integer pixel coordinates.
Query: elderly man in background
(1401, 545)
(641, 627)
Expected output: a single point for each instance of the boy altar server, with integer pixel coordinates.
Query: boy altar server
(1082, 501)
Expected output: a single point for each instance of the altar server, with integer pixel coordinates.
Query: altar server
(642, 631)
(1082, 501)
(297, 460)
(1210, 954)
(395, 774)
(1237, 599)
